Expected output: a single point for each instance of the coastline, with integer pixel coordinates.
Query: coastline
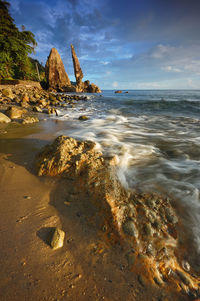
(87, 267)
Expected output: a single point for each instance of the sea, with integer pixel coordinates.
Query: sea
(155, 135)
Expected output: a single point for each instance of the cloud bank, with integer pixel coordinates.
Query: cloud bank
(124, 44)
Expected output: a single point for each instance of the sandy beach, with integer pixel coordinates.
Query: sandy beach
(88, 267)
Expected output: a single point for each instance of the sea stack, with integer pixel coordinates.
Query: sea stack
(82, 86)
(77, 71)
(56, 75)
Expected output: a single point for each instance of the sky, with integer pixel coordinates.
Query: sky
(121, 44)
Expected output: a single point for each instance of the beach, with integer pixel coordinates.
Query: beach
(89, 266)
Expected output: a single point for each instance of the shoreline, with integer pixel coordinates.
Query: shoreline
(87, 267)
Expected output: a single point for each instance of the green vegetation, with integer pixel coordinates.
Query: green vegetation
(15, 46)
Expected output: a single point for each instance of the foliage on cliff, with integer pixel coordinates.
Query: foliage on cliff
(15, 45)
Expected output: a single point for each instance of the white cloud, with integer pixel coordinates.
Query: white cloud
(171, 69)
(115, 84)
(161, 51)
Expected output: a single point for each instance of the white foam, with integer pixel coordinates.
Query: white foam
(154, 153)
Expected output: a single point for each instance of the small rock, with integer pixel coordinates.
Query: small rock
(129, 228)
(118, 91)
(83, 117)
(37, 109)
(171, 217)
(7, 93)
(147, 229)
(14, 112)
(25, 98)
(29, 120)
(185, 265)
(150, 203)
(57, 239)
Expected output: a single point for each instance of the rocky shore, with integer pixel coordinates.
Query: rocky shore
(110, 235)
(22, 104)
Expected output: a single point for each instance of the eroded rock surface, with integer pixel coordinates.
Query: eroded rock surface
(145, 224)
(82, 86)
(77, 70)
(55, 72)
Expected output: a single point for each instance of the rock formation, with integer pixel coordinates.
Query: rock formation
(77, 71)
(144, 223)
(56, 75)
(82, 86)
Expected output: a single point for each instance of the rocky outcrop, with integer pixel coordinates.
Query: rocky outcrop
(77, 71)
(144, 223)
(82, 86)
(56, 75)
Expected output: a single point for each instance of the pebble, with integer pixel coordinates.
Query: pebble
(57, 239)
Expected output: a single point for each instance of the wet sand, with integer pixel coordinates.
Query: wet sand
(87, 267)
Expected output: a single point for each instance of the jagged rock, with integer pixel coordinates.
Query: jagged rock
(77, 71)
(15, 113)
(82, 86)
(4, 118)
(56, 75)
(57, 239)
(93, 89)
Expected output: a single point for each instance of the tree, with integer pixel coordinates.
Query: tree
(15, 46)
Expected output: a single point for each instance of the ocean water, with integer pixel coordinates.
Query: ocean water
(155, 135)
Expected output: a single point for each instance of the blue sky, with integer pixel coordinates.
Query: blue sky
(129, 44)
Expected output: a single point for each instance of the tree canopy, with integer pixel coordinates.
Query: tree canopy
(15, 45)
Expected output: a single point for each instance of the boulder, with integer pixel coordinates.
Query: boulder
(55, 72)
(15, 112)
(7, 92)
(118, 91)
(4, 118)
(83, 117)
